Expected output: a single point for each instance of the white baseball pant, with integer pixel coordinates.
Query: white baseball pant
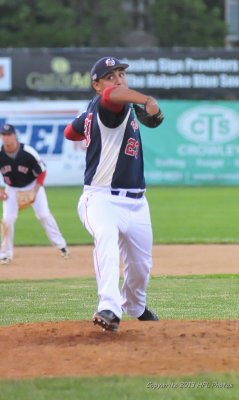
(42, 212)
(121, 228)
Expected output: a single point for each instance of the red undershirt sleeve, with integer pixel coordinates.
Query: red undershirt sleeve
(41, 178)
(71, 134)
(107, 103)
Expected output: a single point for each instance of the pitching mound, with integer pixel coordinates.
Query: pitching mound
(138, 348)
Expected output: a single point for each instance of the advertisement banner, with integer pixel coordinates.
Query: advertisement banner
(41, 125)
(197, 144)
(5, 74)
(182, 73)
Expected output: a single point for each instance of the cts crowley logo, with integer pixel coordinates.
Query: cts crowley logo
(209, 124)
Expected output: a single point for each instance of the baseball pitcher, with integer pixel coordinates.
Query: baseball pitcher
(113, 206)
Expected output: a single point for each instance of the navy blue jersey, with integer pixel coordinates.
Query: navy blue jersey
(114, 155)
(22, 169)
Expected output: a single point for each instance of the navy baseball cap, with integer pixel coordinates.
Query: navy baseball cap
(105, 65)
(7, 129)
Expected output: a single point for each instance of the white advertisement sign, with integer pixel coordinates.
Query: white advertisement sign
(5, 74)
(41, 124)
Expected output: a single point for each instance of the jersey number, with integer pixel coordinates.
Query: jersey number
(132, 148)
(87, 128)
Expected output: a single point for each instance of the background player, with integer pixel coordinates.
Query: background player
(22, 169)
(113, 207)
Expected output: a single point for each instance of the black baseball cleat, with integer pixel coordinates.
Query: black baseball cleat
(107, 320)
(148, 315)
(65, 252)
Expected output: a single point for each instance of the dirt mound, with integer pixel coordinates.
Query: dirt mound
(138, 348)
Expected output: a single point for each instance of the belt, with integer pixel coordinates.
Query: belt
(132, 195)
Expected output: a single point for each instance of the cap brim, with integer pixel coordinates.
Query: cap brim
(123, 66)
(7, 132)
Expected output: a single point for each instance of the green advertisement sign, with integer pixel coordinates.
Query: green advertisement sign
(197, 144)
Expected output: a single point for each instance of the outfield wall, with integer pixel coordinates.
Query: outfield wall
(197, 144)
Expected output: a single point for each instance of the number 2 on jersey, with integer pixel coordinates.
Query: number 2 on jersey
(132, 148)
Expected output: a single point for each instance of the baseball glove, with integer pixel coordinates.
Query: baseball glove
(151, 121)
(25, 199)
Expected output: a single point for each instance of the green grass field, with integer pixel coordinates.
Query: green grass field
(179, 215)
(211, 297)
(123, 388)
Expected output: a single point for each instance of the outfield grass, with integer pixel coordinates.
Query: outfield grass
(195, 214)
(179, 215)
